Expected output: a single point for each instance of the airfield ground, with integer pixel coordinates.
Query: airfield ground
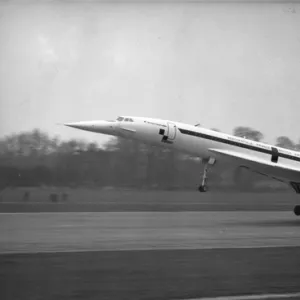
(80, 200)
(151, 246)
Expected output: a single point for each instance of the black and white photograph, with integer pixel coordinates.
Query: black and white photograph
(149, 149)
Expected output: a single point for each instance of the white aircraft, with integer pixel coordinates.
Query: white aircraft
(275, 162)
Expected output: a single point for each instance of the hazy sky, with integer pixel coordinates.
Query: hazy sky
(219, 64)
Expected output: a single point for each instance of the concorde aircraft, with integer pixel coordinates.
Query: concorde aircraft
(211, 146)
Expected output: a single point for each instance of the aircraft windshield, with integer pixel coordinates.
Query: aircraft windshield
(120, 119)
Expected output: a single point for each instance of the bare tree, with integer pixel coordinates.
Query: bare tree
(285, 142)
(215, 129)
(297, 146)
(248, 133)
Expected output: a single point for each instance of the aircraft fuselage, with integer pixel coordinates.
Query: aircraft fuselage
(278, 163)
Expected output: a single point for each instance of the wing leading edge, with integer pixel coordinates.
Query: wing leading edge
(276, 171)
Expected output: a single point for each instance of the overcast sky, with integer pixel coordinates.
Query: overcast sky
(219, 64)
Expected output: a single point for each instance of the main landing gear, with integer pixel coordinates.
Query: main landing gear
(203, 187)
(297, 210)
(296, 187)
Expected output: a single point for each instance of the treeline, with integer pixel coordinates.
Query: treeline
(35, 159)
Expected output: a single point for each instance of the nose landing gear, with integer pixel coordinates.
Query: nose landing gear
(203, 187)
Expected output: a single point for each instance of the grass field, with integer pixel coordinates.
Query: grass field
(126, 200)
(146, 230)
(40, 194)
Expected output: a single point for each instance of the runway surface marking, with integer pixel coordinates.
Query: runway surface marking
(138, 249)
(108, 231)
(251, 297)
(238, 214)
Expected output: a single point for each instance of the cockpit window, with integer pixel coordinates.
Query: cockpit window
(124, 119)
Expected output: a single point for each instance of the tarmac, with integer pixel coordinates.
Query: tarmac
(54, 232)
(150, 255)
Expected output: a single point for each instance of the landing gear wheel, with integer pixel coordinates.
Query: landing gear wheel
(297, 210)
(202, 188)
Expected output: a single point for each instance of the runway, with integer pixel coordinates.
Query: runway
(110, 255)
(148, 274)
(51, 232)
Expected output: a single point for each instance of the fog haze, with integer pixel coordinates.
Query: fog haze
(219, 64)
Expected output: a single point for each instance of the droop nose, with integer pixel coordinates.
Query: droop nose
(104, 127)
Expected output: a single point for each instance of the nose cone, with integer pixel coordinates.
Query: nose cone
(81, 125)
(104, 127)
